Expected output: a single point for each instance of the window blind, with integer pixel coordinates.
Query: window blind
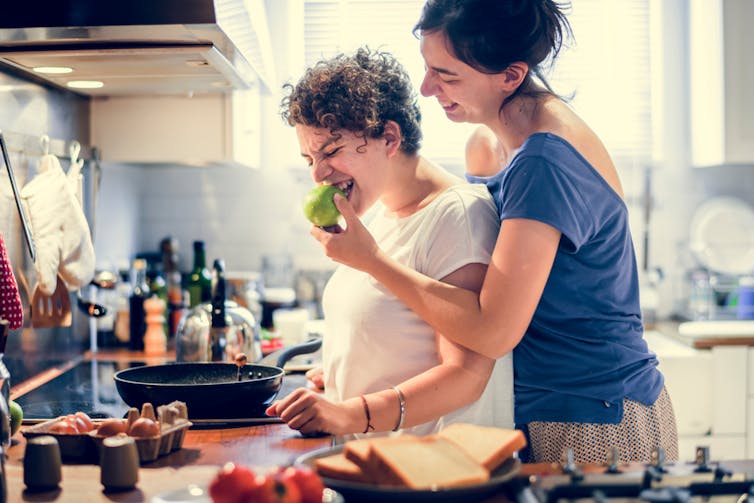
(606, 67)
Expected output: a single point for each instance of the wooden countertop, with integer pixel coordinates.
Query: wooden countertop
(204, 450)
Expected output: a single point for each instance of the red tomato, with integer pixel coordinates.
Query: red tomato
(308, 482)
(232, 484)
(287, 491)
(274, 488)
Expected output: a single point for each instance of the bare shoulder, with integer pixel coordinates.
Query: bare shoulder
(585, 140)
(483, 152)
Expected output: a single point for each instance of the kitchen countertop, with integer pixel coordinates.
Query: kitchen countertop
(196, 463)
(702, 341)
(203, 451)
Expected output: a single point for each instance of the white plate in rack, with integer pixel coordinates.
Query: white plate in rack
(722, 236)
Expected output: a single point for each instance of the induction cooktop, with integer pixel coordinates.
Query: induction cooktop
(89, 387)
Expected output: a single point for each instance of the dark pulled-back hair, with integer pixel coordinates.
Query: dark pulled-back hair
(357, 93)
(489, 35)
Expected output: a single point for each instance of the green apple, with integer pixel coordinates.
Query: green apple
(319, 207)
(16, 416)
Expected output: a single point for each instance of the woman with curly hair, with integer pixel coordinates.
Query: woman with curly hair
(357, 123)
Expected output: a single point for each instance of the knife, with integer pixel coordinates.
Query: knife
(21, 213)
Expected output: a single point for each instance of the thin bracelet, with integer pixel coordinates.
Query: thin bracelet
(369, 416)
(402, 405)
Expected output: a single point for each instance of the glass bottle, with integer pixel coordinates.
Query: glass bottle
(701, 297)
(122, 317)
(139, 293)
(175, 296)
(199, 282)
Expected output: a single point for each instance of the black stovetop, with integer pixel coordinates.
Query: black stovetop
(89, 387)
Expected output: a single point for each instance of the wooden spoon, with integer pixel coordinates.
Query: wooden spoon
(54, 310)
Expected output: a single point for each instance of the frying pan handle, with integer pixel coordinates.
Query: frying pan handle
(304, 348)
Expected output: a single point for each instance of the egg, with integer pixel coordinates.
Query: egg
(144, 427)
(110, 427)
(82, 416)
(63, 426)
(77, 423)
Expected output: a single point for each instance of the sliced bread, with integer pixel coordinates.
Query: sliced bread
(426, 463)
(336, 466)
(489, 446)
(360, 453)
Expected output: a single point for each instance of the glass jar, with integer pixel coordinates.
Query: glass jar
(701, 303)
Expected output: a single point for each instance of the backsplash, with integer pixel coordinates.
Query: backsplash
(240, 213)
(243, 214)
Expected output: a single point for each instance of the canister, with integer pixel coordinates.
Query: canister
(745, 306)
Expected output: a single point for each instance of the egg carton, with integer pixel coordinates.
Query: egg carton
(172, 420)
(74, 447)
(86, 447)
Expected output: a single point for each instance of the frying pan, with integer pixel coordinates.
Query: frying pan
(211, 390)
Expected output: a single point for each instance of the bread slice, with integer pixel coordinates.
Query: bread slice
(426, 463)
(336, 466)
(360, 453)
(488, 445)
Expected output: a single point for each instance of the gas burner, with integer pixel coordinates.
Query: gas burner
(657, 482)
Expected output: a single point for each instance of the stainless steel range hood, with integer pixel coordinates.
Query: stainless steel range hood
(140, 47)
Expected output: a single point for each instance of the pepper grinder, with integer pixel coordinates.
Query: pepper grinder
(155, 340)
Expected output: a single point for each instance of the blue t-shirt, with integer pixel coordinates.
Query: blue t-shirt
(583, 352)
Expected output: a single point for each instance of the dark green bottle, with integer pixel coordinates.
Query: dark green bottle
(199, 284)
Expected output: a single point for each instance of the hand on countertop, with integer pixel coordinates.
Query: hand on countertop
(310, 412)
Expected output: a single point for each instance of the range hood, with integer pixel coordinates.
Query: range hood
(140, 47)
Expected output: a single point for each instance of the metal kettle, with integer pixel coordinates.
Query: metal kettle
(217, 331)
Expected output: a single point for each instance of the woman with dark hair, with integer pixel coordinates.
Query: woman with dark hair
(357, 123)
(561, 291)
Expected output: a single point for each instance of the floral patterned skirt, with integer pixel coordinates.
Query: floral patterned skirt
(642, 430)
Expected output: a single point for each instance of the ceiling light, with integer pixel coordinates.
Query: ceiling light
(85, 84)
(52, 70)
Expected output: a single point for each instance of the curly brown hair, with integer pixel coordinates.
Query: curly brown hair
(357, 93)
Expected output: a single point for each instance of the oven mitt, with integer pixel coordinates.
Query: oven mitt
(75, 179)
(59, 227)
(11, 308)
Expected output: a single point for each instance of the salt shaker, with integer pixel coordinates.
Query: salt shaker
(42, 463)
(119, 463)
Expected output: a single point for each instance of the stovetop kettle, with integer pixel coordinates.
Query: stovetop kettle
(217, 331)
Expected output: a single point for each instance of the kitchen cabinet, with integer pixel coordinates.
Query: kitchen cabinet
(199, 130)
(722, 77)
(713, 395)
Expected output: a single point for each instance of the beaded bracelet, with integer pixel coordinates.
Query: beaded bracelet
(402, 405)
(369, 416)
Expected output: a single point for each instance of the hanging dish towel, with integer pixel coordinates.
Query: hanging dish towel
(60, 229)
(11, 308)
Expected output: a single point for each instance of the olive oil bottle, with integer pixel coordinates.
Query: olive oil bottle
(199, 283)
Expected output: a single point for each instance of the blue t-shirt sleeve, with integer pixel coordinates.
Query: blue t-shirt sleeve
(537, 189)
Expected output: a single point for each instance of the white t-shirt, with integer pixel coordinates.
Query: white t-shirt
(374, 341)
